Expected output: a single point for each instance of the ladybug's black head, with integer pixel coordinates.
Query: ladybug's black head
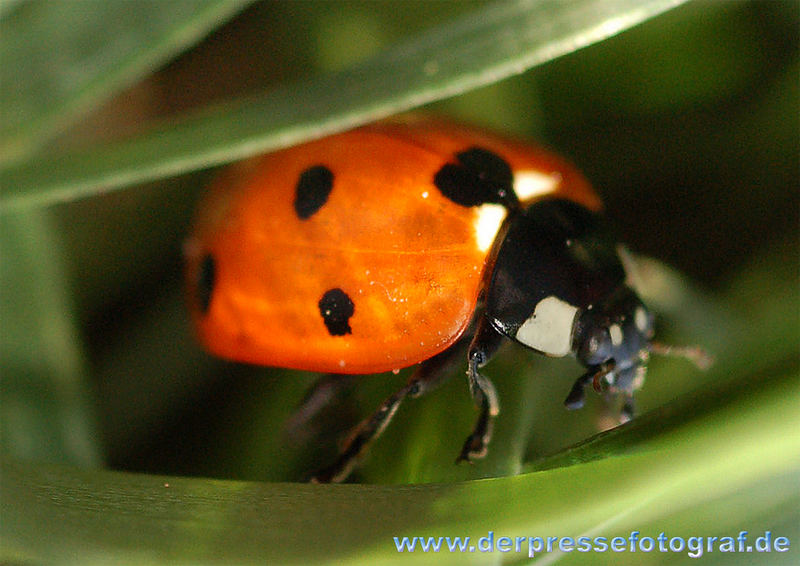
(559, 287)
(612, 339)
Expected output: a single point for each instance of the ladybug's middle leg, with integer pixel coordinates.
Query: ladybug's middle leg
(485, 344)
(428, 376)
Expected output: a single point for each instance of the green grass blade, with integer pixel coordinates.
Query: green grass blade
(59, 59)
(47, 411)
(495, 42)
(744, 452)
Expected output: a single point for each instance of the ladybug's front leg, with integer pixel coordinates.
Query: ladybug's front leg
(485, 344)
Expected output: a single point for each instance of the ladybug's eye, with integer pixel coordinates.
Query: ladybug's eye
(596, 347)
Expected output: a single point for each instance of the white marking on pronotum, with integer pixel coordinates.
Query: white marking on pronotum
(488, 220)
(549, 328)
(529, 184)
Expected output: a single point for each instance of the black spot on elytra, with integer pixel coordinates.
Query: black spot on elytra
(479, 177)
(312, 191)
(336, 309)
(206, 277)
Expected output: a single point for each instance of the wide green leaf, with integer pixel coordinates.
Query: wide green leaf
(744, 451)
(492, 43)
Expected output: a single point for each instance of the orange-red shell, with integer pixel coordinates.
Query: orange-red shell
(406, 255)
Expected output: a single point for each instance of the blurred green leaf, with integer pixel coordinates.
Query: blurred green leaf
(743, 450)
(59, 59)
(498, 41)
(46, 402)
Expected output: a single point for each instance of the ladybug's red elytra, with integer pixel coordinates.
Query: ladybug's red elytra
(413, 242)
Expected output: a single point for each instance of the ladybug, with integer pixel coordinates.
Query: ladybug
(414, 241)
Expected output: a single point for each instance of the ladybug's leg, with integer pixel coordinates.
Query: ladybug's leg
(428, 375)
(594, 375)
(485, 343)
(628, 408)
(577, 395)
(325, 391)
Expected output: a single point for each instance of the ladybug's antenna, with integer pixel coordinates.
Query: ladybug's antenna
(695, 354)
